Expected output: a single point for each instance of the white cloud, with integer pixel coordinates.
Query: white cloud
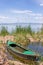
(35, 14)
(29, 12)
(24, 16)
(3, 17)
(20, 12)
(41, 4)
(8, 19)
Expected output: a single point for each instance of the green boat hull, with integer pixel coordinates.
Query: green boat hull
(21, 52)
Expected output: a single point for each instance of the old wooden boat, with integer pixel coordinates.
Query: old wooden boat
(22, 52)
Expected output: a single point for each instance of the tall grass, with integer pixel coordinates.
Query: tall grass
(24, 30)
(4, 31)
(21, 33)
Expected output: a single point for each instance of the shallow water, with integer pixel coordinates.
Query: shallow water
(37, 47)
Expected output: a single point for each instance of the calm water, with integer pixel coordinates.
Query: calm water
(37, 47)
(34, 26)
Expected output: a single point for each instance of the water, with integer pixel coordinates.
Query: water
(34, 26)
(37, 47)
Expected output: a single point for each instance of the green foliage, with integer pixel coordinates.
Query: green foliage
(42, 29)
(4, 31)
(20, 34)
(23, 30)
(18, 29)
(29, 30)
(41, 58)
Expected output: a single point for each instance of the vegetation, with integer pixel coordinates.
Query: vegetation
(24, 30)
(4, 31)
(22, 34)
(21, 30)
(41, 31)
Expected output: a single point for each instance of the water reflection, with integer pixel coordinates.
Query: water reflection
(37, 47)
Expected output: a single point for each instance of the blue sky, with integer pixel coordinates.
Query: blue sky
(21, 11)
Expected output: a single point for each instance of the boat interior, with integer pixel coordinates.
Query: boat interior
(18, 48)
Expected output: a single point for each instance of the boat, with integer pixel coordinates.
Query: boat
(21, 51)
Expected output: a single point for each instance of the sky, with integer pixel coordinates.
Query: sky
(21, 11)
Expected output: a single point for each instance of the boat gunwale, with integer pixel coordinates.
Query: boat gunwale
(20, 52)
(37, 55)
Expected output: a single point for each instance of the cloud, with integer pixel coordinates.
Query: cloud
(22, 16)
(35, 14)
(29, 12)
(41, 4)
(8, 19)
(3, 17)
(20, 12)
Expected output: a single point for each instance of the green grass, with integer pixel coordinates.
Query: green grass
(42, 58)
(21, 34)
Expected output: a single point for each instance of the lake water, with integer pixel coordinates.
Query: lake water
(10, 26)
(36, 47)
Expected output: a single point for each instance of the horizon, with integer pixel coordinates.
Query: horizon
(34, 26)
